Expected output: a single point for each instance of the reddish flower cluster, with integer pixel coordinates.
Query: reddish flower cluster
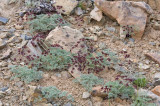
(85, 60)
(129, 30)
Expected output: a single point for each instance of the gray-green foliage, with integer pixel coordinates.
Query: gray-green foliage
(112, 56)
(142, 101)
(57, 59)
(95, 63)
(26, 74)
(44, 22)
(114, 61)
(51, 92)
(89, 80)
(118, 89)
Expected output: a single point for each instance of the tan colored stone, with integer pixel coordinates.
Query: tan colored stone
(127, 13)
(14, 39)
(67, 5)
(156, 26)
(66, 37)
(154, 56)
(96, 14)
(97, 99)
(6, 54)
(156, 90)
(97, 91)
(2, 44)
(19, 27)
(87, 19)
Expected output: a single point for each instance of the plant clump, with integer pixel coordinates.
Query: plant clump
(92, 60)
(89, 80)
(45, 22)
(118, 89)
(51, 92)
(26, 74)
(142, 101)
(55, 58)
(140, 82)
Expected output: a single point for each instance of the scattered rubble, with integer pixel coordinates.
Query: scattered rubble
(14, 36)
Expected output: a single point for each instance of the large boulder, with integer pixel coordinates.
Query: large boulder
(127, 13)
(66, 37)
(155, 4)
(66, 5)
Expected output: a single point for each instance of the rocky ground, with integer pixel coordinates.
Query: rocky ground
(105, 34)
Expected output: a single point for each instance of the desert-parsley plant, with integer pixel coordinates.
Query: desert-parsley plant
(54, 59)
(117, 89)
(45, 22)
(26, 74)
(91, 60)
(142, 101)
(52, 92)
(89, 80)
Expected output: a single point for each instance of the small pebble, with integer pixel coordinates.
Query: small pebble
(4, 89)
(68, 104)
(86, 95)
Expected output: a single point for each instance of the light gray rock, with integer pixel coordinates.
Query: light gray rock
(110, 29)
(79, 11)
(58, 75)
(3, 20)
(1, 104)
(3, 89)
(152, 43)
(86, 95)
(68, 104)
(148, 93)
(102, 45)
(34, 50)
(157, 76)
